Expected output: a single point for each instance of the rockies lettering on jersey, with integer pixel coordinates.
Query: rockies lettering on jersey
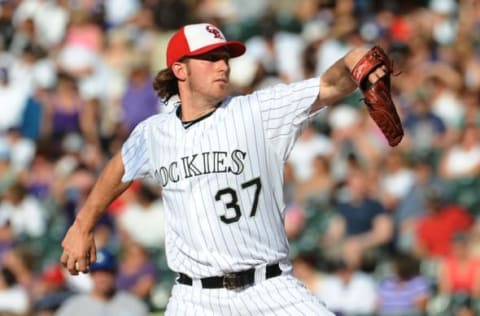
(201, 164)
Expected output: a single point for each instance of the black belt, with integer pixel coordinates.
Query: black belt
(232, 280)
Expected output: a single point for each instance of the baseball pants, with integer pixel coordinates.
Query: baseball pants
(279, 296)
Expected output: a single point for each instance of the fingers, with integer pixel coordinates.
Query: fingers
(82, 264)
(73, 264)
(69, 262)
(78, 250)
(377, 74)
(93, 254)
(64, 258)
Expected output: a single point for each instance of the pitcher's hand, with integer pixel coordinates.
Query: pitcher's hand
(79, 249)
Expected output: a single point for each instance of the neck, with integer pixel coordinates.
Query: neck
(192, 113)
(195, 105)
(103, 296)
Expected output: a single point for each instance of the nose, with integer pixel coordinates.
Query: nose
(223, 63)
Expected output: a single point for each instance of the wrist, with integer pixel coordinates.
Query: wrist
(84, 224)
(353, 57)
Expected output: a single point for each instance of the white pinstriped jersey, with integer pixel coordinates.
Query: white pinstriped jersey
(222, 178)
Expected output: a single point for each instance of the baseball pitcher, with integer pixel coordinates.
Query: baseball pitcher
(219, 161)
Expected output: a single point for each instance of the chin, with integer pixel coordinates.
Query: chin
(221, 96)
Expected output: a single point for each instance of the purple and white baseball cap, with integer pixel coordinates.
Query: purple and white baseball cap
(197, 39)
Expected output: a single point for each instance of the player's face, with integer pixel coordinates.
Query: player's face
(208, 75)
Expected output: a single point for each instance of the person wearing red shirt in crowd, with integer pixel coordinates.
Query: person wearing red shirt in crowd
(459, 273)
(437, 228)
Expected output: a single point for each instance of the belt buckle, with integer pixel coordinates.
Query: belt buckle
(231, 281)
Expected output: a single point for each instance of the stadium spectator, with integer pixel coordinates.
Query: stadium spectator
(21, 261)
(22, 149)
(13, 297)
(433, 238)
(459, 272)
(8, 174)
(23, 212)
(360, 224)
(137, 273)
(14, 95)
(139, 100)
(412, 207)
(425, 131)
(63, 110)
(104, 299)
(396, 179)
(310, 144)
(405, 291)
(462, 158)
(142, 218)
(50, 291)
(319, 187)
(306, 266)
(348, 291)
(356, 140)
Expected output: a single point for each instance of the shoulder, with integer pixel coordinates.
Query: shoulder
(154, 121)
(388, 283)
(232, 105)
(419, 281)
(157, 118)
(78, 300)
(373, 203)
(330, 281)
(130, 299)
(361, 278)
(135, 304)
(311, 83)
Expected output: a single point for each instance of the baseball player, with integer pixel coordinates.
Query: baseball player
(219, 161)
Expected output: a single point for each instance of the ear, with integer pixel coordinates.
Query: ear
(180, 70)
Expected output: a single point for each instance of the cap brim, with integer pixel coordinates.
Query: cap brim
(235, 49)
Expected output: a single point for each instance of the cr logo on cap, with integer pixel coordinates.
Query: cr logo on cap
(216, 32)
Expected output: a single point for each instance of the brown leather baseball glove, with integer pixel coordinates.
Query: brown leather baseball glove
(377, 95)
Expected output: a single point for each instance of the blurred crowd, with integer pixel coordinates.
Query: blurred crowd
(374, 230)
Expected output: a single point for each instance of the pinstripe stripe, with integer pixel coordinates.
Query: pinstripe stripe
(197, 297)
(244, 307)
(259, 150)
(213, 306)
(196, 139)
(239, 127)
(261, 307)
(224, 240)
(229, 228)
(271, 290)
(294, 88)
(279, 232)
(213, 228)
(293, 294)
(282, 108)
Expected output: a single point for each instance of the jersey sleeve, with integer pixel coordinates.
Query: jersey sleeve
(284, 109)
(135, 155)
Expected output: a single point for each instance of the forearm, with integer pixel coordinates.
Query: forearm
(79, 249)
(107, 188)
(380, 234)
(337, 82)
(443, 282)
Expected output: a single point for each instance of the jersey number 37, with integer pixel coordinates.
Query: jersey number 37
(229, 196)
